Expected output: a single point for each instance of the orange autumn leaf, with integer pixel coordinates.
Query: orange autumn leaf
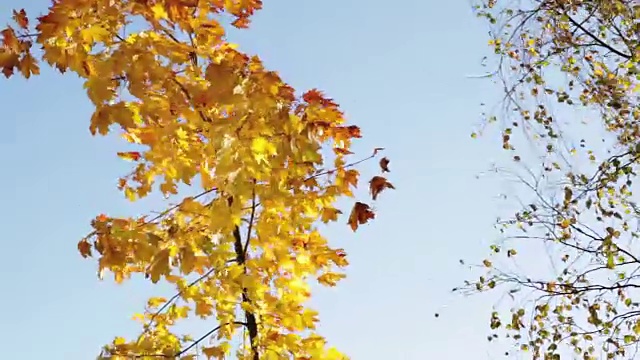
(346, 132)
(130, 155)
(10, 41)
(377, 184)
(20, 17)
(28, 66)
(354, 131)
(351, 177)
(84, 247)
(315, 96)
(342, 151)
(360, 214)
(330, 214)
(8, 62)
(241, 23)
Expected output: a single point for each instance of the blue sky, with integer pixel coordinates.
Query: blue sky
(399, 72)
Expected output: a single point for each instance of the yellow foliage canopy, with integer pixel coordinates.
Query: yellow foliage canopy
(204, 111)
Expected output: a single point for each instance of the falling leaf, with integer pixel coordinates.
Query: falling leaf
(384, 164)
(377, 184)
(360, 214)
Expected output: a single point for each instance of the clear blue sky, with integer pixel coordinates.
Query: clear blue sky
(398, 70)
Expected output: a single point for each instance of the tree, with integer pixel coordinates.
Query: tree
(269, 165)
(570, 74)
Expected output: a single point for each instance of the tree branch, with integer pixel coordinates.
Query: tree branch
(183, 351)
(250, 317)
(597, 39)
(251, 219)
(174, 297)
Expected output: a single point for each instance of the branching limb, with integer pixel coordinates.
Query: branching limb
(250, 317)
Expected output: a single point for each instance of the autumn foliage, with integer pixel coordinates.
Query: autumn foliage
(569, 257)
(270, 165)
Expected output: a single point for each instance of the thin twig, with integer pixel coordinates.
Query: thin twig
(174, 297)
(597, 39)
(183, 351)
(251, 219)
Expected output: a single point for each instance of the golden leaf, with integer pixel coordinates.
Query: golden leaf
(330, 214)
(159, 266)
(159, 12)
(330, 279)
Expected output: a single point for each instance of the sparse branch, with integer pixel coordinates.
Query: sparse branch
(187, 95)
(178, 294)
(209, 333)
(183, 350)
(590, 286)
(328, 172)
(164, 212)
(600, 42)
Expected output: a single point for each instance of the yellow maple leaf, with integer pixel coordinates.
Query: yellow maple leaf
(330, 279)
(330, 214)
(93, 34)
(159, 266)
(159, 12)
(262, 149)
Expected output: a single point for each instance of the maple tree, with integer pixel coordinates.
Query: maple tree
(270, 166)
(569, 258)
